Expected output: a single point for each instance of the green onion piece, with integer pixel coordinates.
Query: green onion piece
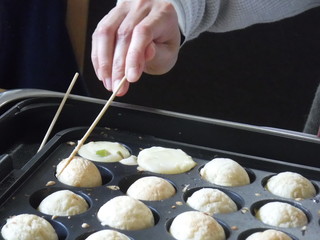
(120, 154)
(103, 153)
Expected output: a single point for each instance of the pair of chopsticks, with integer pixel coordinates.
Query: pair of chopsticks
(90, 129)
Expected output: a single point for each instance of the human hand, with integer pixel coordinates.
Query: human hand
(134, 37)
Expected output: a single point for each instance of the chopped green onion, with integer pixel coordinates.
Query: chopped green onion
(103, 153)
(120, 154)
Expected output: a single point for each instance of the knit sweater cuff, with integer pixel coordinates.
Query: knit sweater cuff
(195, 17)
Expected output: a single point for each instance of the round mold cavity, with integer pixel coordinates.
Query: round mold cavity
(60, 229)
(127, 147)
(225, 227)
(244, 235)
(238, 200)
(106, 175)
(265, 180)
(257, 205)
(104, 140)
(127, 181)
(36, 198)
(156, 215)
(251, 174)
(85, 235)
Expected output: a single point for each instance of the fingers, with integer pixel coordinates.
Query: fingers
(103, 43)
(123, 41)
(155, 44)
(141, 39)
(134, 37)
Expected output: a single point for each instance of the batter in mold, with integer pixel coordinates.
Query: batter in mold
(165, 160)
(27, 227)
(151, 188)
(269, 234)
(125, 213)
(193, 225)
(63, 203)
(80, 172)
(225, 172)
(104, 151)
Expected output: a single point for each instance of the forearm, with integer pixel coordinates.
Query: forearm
(313, 122)
(238, 14)
(195, 16)
(199, 16)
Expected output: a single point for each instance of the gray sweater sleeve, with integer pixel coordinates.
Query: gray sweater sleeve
(197, 16)
(312, 125)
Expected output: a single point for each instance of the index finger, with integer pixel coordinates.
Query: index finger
(103, 44)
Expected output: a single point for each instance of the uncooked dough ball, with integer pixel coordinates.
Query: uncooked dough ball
(104, 151)
(165, 160)
(282, 214)
(63, 203)
(151, 189)
(225, 172)
(269, 234)
(291, 185)
(107, 235)
(195, 225)
(80, 172)
(28, 227)
(211, 201)
(126, 213)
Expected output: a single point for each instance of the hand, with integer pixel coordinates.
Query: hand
(134, 37)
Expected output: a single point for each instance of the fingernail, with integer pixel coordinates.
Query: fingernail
(100, 75)
(115, 85)
(106, 83)
(131, 74)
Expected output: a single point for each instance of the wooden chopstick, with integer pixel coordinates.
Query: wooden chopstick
(93, 125)
(54, 120)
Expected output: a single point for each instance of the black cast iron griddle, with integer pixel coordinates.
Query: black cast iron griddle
(263, 152)
(41, 170)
